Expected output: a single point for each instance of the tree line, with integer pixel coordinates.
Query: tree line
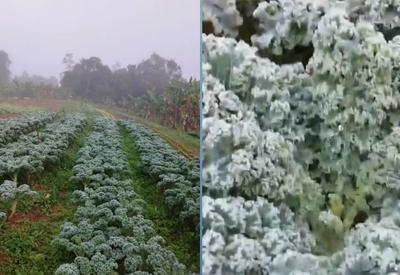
(153, 89)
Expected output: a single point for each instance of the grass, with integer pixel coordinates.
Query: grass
(28, 249)
(26, 246)
(179, 240)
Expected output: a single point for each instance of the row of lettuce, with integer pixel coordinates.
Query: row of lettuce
(12, 129)
(177, 177)
(109, 234)
(31, 153)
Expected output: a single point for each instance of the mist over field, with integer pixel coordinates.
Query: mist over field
(37, 34)
(143, 56)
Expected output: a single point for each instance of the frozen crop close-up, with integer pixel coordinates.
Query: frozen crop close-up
(301, 137)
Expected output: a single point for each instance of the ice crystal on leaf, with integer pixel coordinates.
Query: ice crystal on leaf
(223, 14)
(301, 139)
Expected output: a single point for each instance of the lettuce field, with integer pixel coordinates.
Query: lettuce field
(82, 193)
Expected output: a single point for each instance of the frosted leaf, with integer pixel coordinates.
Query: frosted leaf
(223, 14)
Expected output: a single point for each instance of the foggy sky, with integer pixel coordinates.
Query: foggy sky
(37, 33)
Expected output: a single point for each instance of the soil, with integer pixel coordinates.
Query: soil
(19, 218)
(4, 259)
(39, 187)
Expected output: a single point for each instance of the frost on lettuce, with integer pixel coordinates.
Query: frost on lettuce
(301, 157)
(12, 129)
(223, 14)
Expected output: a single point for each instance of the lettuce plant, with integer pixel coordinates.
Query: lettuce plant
(11, 193)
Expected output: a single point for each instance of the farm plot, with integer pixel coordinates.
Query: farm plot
(109, 234)
(86, 215)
